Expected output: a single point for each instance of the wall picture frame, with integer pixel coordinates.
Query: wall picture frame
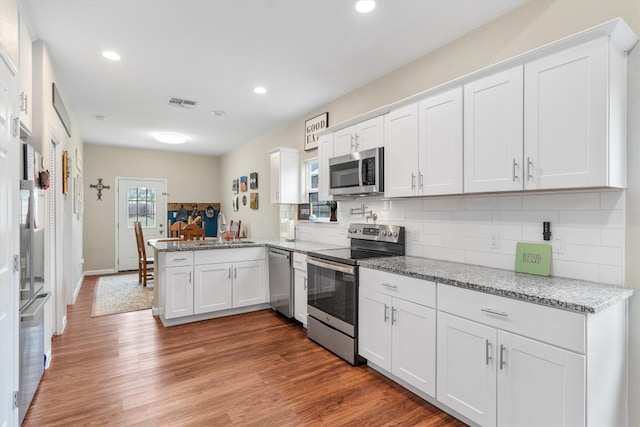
(311, 129)
(253, 181)
(234, 186)
(243, 183)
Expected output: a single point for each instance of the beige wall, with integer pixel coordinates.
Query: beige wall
(190, 178)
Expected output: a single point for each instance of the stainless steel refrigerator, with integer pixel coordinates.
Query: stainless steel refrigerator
(32, 295)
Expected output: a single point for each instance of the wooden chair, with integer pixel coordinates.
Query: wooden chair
(234, 227)
(174, 230)
(144, 273)
(192, 232)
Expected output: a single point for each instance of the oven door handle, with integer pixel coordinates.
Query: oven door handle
(331, 266)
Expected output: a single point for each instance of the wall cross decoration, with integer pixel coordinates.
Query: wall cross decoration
(100, 186)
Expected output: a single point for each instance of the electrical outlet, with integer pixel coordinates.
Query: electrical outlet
(557, 246)
(495, 241)
(416, 236)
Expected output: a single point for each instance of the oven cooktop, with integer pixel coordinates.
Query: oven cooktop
(348, 255)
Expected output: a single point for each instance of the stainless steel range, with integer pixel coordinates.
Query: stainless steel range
(333, 286)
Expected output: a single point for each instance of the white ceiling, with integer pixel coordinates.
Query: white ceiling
(305, 52)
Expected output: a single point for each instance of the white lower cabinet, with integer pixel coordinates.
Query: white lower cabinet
(300, 287)
(179, 292)
(199, 282)
(395, 334)
(494, 377)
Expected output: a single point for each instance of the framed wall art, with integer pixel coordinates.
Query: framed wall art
(312, 127)
(234, 186)
(243, 183)
(253, 180)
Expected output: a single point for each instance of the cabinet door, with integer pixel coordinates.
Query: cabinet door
(300, 296)
(275, 178)
(414, 345)
(566, 118)
(248, 283)
(493, 132)
(325, 152)
(374, 328)
(212, 287)
(369, 134)
(179, 292)
(440, 143)
(344, 141)
(401, 151)
(533, 375)
(466, 377)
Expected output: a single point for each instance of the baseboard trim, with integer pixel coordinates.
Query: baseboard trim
(99, 272)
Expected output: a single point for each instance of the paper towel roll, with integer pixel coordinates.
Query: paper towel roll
(291, 230)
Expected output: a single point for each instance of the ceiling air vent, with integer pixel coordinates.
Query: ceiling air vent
(183, 103)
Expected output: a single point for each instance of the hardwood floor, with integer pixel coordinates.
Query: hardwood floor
(250, 369)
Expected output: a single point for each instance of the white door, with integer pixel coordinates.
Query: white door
(413, 355)
(248, 283)
(369, 134)
(141, 200)
(212, 287)
(440, 143)
(9, 248)
(300, 296)
(565, 118)
(466, 377)
(401, 151)
(534, 375)
(493, 132)
(374, 328)
(179, 292)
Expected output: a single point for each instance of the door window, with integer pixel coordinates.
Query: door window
(141, 206)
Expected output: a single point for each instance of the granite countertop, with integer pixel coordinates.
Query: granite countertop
(163, 245)
(568, 294)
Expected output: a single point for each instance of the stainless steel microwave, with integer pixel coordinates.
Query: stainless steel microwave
(360, 173)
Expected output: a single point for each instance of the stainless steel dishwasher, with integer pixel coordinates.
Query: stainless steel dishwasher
(281, 282)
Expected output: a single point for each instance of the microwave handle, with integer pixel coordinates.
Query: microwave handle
(360, 180)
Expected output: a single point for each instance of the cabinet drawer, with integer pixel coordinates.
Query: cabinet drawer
(178, 259)
(408, 288)
(558, 327)
(228, 255)
(300, 261)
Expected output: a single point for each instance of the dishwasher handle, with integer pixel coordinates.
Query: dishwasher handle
(35, 308)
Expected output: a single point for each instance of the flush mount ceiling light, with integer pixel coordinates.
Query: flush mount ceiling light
(260, 90)
(113, 56)
(218, 113)
(170, 138)
(365, 6)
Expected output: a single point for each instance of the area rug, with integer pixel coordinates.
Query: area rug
(120, 294)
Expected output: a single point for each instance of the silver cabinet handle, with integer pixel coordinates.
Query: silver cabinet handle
(189, 277)
(229, 272)
(529, 163)
(393, 315)
(420, 180)
(277, 195)
(413, 180)
(390, 285)
(235, 272)
(502, 362)
(487, 355)
(386, 313)
(515, 165)
(179, 259)
(305, 283)
(497, 313)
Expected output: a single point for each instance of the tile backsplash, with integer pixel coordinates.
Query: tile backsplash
(587, 228)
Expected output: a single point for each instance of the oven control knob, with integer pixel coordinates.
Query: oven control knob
(395, 234)
(384, 233)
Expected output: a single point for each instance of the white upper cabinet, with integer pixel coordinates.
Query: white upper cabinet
(26, 76)
(284, 175)
(401, 151)
(493, 110)
(423, 147)
(573, 104)
(359, 137)
(440, 143)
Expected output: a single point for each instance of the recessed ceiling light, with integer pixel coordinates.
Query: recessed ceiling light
(101, 117)
(218, 113)
(365, 6)
(170, 138)
(111, 55)
(260, 90)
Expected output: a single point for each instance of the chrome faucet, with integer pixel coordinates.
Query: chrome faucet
(221, 221)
